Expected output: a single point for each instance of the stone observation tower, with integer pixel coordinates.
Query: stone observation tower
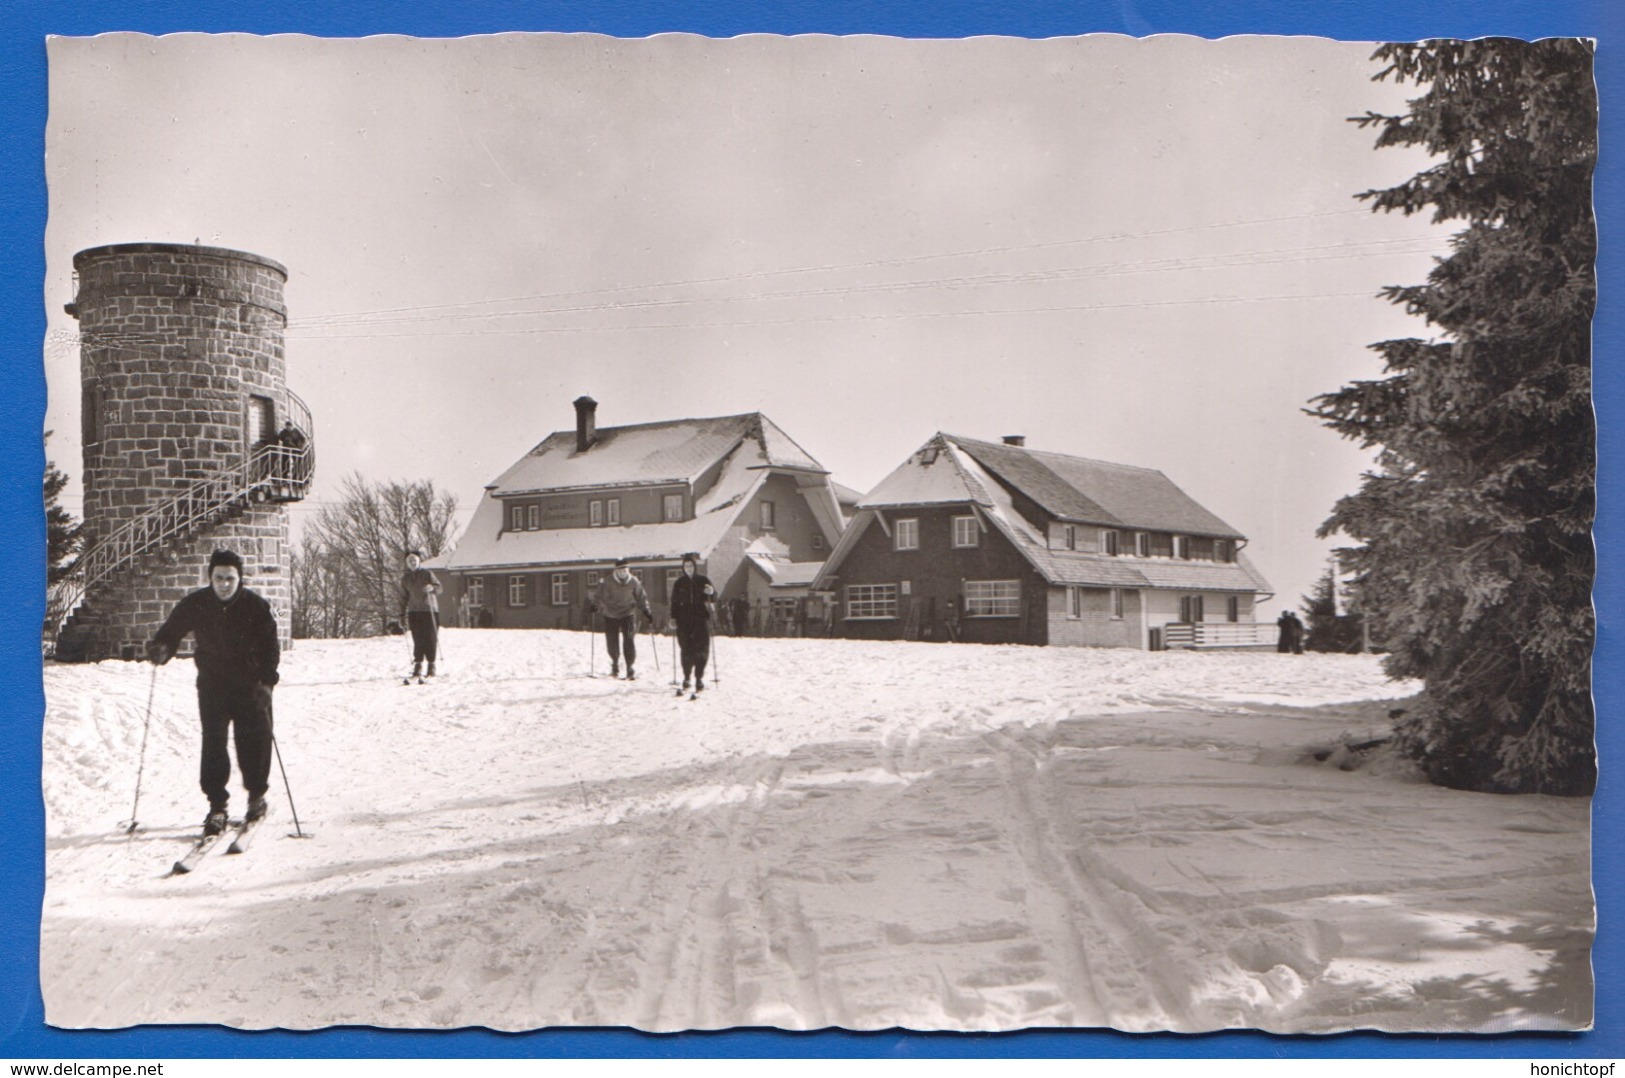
(192, 440)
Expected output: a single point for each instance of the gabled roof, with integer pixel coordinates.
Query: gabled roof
(932, 475)
(1087, 491)
(643, 454)
(949, 470)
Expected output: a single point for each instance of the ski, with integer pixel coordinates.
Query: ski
(244, 835)
(203, 845)
(411, 680)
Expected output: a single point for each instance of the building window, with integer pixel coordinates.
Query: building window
(476, 591)
(1108, 542)
(1159, 545)
(1117, 604)
(1069, 537)
(992, 598)
(1142, 544)
(561, 589)
(870, 601)
(593, 576)
(595, 514)
(612, 512)
(1074, 603)
(1190, 608)
(1200, 547)
(782, 610)
(906, 534)
(1232, 608)
(1225, 550)
(817, 541)
(1182, 547)
(965, 531)
(672, 507)
(516, 522)
(533, 517)
(671, 580)
(767, 516)
(516, 592)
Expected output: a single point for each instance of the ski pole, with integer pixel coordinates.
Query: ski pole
(674, 658)
(716, 662)
(654, 646)
(298, 832)
(592, 644)
(141, 766)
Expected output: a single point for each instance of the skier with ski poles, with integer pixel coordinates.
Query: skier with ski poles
(693, 603)
(237, 653)
(619, 597)
(422, 609)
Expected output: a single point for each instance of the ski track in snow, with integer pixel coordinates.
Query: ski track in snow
(838, 833)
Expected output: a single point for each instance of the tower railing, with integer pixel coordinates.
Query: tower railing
(271, 472)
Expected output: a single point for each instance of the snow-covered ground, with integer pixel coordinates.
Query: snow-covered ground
(842, 833)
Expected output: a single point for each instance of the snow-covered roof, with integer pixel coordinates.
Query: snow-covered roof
(845, 495)
(485, 545)
(1095, 491)
(930, 476)
(743, 449)
(672, 451)
(784, 574)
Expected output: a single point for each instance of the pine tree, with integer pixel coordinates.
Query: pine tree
(62, 532)
(1474, 558)
(1329, 630)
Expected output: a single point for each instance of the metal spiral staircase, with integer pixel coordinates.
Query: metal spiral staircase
(269, 473)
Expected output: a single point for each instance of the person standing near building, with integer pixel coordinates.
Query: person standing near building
(692, 608)
(419, 588)
(237, 656)
(619, 597)
(1283, 624)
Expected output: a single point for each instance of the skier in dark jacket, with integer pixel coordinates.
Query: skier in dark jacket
(692, 608)
(421, 611)
(619, 597)
(237, 655)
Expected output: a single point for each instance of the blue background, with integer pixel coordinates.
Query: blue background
(23, 29)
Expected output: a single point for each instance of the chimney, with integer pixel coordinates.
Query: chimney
(586, 423)
(1017, 440)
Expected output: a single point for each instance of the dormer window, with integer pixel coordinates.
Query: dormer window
(612, 512)
(767, 516)
(672, 507)
(1108, 542)
(516, 520)
(533, 517)
(595, 514)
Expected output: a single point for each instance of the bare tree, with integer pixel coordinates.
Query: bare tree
(347, 575)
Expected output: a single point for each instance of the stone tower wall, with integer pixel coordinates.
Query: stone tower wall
(177, 343)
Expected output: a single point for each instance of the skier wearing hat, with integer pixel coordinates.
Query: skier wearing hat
(619, 596)
(237, 655)
(692, 604)
(418, 590)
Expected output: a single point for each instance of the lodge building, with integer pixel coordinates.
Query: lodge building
(554, 523)
(995, 543)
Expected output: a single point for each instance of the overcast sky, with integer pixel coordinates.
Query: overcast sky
(1141, 251)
